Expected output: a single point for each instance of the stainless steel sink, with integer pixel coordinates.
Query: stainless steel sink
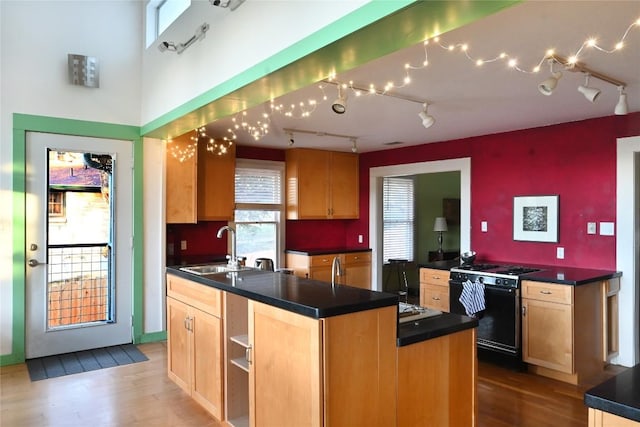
(201, 270)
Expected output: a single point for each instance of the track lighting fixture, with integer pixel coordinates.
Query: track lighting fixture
(339, 106)
(231, 4)
(547, 86)
(591, 93)
(353, 139)
(427, 119)
(621, 107)
(180, 47)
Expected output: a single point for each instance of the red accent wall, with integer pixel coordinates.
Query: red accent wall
(575, 160)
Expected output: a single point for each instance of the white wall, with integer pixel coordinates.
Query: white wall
(137, 85)
(35, 38)
(236, 41)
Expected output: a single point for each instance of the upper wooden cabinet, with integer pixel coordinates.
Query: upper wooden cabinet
(202, 187)
(321, 184)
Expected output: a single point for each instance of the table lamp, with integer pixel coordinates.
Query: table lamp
(440, 226)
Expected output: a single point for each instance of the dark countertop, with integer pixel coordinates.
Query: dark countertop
(310, 298)
(619, 395)
(548, 273)
(311, 252)
(570, 275)
(318, 299)
(433, 327)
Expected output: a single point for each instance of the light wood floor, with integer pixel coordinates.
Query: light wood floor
(141, 395)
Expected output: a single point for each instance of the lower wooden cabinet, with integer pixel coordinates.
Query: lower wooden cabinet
(437, 381)
(337, 371)
(562, 330)
(434, 289)
(355, 267)
(194, 336)
(599, 418)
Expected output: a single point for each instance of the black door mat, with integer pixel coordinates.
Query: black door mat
(83, 361)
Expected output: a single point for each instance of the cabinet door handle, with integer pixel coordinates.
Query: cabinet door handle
(247, 354)
(545, 292)
(524, 310)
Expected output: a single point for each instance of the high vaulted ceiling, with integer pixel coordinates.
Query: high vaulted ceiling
(466, 99)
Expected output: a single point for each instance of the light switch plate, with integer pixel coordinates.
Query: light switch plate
(483, 226)
(183, 245)
(591, 228)
(606, 229)
(360, 240)
(560, 253)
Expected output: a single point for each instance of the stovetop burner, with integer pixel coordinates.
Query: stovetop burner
(477, 267)
(517, 270)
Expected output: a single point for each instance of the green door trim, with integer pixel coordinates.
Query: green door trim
(23, 123)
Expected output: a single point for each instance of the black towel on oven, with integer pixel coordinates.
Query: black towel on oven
(472, 297)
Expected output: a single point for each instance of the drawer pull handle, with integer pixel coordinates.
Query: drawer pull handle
(435, 298)
(545, 292)
(435, 277)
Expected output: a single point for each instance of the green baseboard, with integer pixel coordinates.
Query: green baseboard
(152, 337)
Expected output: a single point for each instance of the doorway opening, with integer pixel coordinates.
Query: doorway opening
(376, 178)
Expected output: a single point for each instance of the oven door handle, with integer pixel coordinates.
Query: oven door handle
(500, 289)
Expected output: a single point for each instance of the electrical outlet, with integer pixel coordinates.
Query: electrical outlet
(483, 226)
(360, 239)
(560, 253)
(591, 228)
(183, 245)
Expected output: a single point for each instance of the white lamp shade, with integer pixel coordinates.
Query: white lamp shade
(427, 119)
(547, 86)
(621, 107)
(440, 224)
(590, 93)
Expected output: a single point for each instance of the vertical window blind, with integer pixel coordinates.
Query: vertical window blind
(398, 218)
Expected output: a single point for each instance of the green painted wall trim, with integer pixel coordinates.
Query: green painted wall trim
(372, 31)
(23, 123)
(153, 337)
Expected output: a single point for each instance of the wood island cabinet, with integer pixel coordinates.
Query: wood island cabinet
(335, 371)
(562, 330)
(598, 418)
(194, 338)
(434, 289)
(321, 184)
(200, 188)
(355, 267)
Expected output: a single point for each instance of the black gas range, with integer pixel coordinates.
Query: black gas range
(498, 312)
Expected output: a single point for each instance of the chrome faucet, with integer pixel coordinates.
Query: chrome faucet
(335, 270)
(233, 262)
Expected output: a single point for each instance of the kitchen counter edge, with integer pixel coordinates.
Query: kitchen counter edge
(433, 327)
(619, 395)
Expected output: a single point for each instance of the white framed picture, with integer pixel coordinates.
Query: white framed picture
(535, 218)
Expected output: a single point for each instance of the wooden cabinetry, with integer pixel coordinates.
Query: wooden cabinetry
(598, 418)
(434, 289)
(321, 184)
(236, 346)
(562, 330)
(194, 335)
(200, 188)
(337, 371)
(437, 381)
(355, 267)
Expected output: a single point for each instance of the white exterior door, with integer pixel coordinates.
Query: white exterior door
(79, 243)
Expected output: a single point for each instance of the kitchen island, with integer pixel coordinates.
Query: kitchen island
(615, 402)
(295, 351)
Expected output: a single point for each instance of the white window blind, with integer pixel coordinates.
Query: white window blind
(258, 186)
(398, 218)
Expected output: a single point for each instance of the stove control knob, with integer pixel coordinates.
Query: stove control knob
(499, 281)
(481, 279)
